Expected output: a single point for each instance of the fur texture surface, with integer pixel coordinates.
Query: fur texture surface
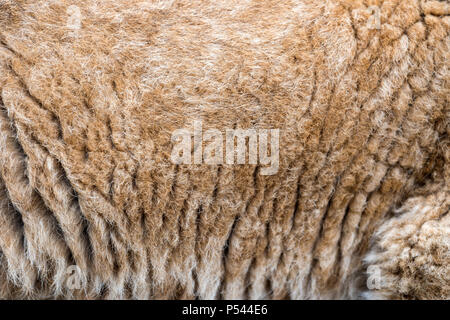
(91, 91)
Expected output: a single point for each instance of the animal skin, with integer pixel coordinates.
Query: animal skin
(92, 91)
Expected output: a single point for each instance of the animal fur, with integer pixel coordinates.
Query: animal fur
(87, 110)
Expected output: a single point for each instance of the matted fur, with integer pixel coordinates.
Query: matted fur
(86, 117)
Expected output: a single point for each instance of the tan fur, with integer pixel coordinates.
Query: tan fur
(86, 117)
